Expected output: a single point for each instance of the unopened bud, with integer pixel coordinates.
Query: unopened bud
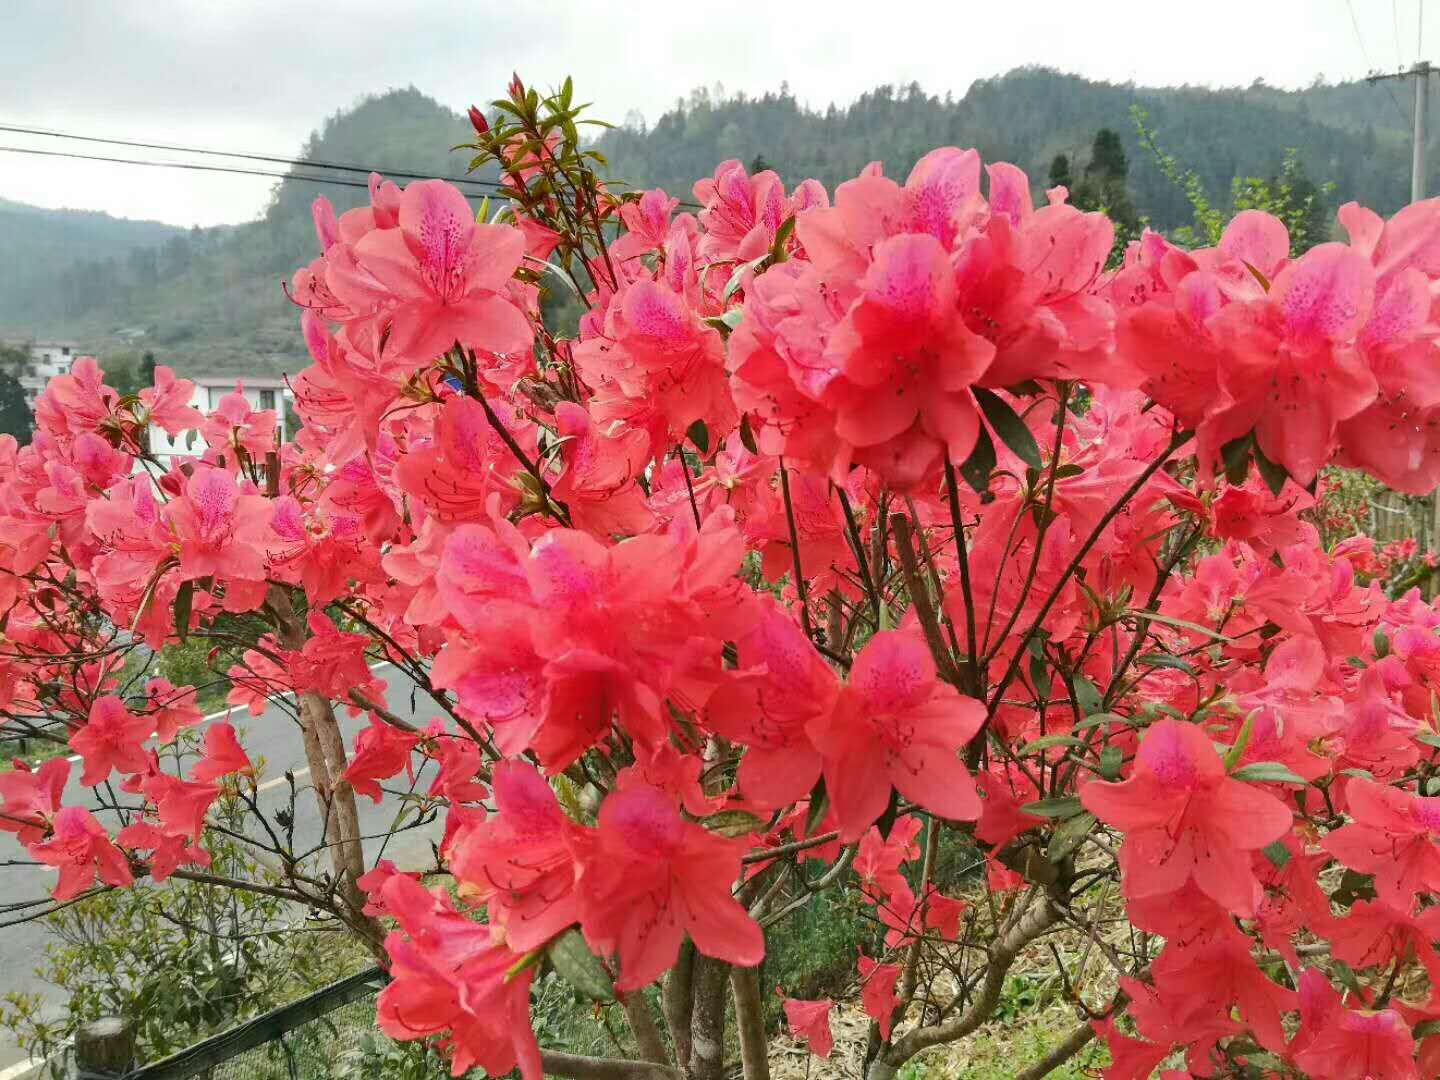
(478, 121)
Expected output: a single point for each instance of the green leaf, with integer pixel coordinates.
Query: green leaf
(1180, 624)
(1277, 853)
(819, 804)
(1064, 472)
(1165, 660)
(1008, 425)
(980, 464)
(699, 434)
(1429, 738)
(1111, 759)
(1236, 752)
(728, 322)
(739, 276)
(1048, 742)
(1274, 475)
(1236, 455)
(1068, 835)
(747, 435)
(733, 823)
(1040, 675)
(887, 819)
(580, 967)
(782, 234)
(1087, 697)
(1268, 772)
(1096, 719)
(1061, 806)
(184, 601)
(1354, 886)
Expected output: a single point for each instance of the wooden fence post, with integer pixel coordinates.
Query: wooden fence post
(104, 1049)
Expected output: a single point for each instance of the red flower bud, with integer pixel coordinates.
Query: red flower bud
(478, 121)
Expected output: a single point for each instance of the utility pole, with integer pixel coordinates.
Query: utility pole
(1421, 74)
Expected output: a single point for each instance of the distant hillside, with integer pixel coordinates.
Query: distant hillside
(210, 300)
(36, 244)
(1349, 134)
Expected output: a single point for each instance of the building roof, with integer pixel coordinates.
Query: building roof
(259, 382)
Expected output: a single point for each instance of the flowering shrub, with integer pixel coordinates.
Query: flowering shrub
(848, 520)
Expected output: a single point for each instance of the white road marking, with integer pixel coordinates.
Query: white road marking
(300, 774)
(20, 1069)
(75, 759)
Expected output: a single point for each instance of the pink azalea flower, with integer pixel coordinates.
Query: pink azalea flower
(445, 275)
(1185, 819)
(222, 530)
(648, 877)
(877, 994)
(174, 708)
(79, 846)
(810, 1020)
(224, 755)
(381, 751)
(30, 797)
(112, 738)
(520, 861)
(896, 725)
(450, 974)
(1392, 835)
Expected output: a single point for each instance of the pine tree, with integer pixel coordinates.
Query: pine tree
(1060, 172)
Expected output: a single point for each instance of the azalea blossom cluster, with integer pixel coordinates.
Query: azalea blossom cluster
(846, 530)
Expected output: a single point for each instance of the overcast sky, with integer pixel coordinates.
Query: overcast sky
(259, 75)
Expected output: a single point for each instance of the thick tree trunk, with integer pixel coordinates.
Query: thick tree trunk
(750, 1021)
(642, 1024)
(677, 1002)
(707, 1021)
(326, 758)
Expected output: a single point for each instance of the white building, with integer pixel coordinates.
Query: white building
(261, 392)
(47, 359)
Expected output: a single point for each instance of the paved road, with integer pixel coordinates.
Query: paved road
(273, 737)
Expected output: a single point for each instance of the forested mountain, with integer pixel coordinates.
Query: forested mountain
(1350, 135)
(36, 245)
(210, 300)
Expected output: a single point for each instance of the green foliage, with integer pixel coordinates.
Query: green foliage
(1289, 195)
(188, 664)
(181, 960)
(15, 415)
(1105, 187)
(376, 1056)
(1060, 172)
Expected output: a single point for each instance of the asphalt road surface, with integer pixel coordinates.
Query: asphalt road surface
(273, 737)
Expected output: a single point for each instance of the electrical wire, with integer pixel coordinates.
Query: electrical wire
(1364, 52)
(195, 166)
(310, 163)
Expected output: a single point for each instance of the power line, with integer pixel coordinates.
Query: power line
(487, 186)
(1355, 24)
(195, 166)
(311, 163)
